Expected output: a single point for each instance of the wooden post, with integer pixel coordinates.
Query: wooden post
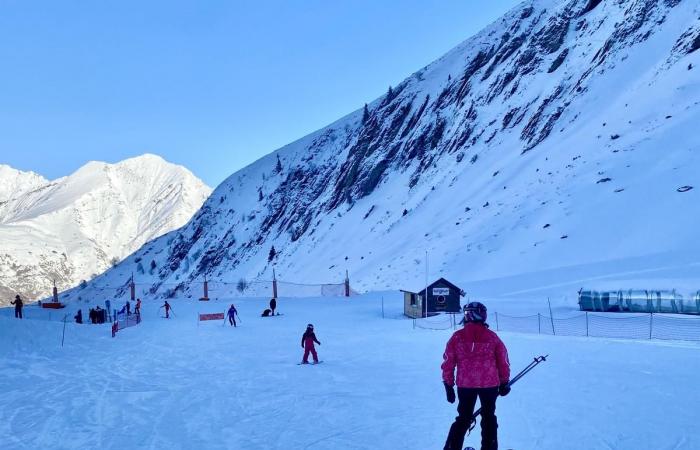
(274, 283)
(347, 284)
(206, 293)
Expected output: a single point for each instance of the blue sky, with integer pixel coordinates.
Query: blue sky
(212, 85)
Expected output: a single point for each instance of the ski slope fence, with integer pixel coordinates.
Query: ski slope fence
(211, 289)
(124, 320)
(584, 324)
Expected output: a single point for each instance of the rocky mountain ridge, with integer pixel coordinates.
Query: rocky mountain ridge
(494, 160)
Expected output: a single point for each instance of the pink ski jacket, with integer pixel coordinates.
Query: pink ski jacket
(480, 357)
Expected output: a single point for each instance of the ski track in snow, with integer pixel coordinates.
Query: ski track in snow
(170, 384)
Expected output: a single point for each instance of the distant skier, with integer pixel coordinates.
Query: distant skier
(273, 305)
(307, 343)
(137, 309)
(128, 308)
(18, 306)
(167, 307)
(79, 316)
(483, 371)
(99, 314)
(232, 311)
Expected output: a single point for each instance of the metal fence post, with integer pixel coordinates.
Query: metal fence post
(651, 324)
(539, 324)
(586, 323)
(497, 328)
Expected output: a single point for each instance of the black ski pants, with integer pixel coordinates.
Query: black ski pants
(232, 320)
(18, 313)
(489, 426)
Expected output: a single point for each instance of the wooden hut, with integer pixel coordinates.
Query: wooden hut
(442, 297)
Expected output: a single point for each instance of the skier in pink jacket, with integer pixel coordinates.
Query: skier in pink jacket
(307, 343)
(483, 371)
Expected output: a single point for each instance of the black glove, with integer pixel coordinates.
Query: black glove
(450, 391)
(503, 389)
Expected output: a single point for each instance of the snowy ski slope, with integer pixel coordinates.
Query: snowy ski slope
(171, 384)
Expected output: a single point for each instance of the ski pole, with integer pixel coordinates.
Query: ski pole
(64, 330)
(522, 373)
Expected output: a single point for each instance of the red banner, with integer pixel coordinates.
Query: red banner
(53, 305)
(214, 316)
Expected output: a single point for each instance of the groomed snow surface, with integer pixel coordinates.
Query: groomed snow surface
(177, 384)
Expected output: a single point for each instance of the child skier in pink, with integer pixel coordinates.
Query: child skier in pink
(307, 343)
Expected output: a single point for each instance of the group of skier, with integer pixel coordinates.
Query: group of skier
(475, 352)
(308, 339)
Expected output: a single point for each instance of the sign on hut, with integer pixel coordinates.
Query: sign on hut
(442, 297)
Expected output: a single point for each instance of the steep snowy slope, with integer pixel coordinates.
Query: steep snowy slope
(75, 227)
(561, 135)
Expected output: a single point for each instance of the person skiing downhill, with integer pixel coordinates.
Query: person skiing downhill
(307, 343)
(166, 305)
(18, 306)
(232, 311)
(483, 371)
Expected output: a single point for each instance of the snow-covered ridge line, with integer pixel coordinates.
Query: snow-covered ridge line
(75, 227)
(528, 147)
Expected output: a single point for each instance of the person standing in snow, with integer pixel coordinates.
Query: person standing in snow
(273, 305)
(137, 309)
(79, 316)
(232, 311)
(307, 343)
(18, 306)
(166, 305)
(99, 314)
(128, 308)
(483, 371)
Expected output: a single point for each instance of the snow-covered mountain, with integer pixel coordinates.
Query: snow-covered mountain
(74, 228)
(14, 183)
(562, 135)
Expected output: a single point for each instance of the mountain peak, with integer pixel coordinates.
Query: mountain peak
(14, 183)
(79, 225)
